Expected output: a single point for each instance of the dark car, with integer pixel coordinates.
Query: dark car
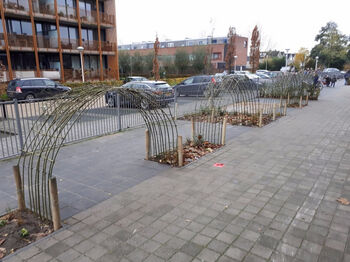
(134, 78)
(194, 86)
(32, 88)
(162, 90)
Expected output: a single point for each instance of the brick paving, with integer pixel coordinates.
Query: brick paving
(274, 200)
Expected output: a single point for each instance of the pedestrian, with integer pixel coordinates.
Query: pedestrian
(346, 77)
(328, 80)
(315, 80)
(333, 80)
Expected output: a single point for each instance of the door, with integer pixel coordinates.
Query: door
(186, 87)
(51, 88)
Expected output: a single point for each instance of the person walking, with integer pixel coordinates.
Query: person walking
(333, 81)
(328, 80)
(346, 77)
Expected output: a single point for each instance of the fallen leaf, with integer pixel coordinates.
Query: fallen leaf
(5, 235)
(2, 240)
(343, 201)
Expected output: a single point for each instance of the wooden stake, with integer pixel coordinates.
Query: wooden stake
(288, 99)
(212, 115)
(274, 112)
(285, 109)
(260, 117)
(55, 209)
(301, 102)
(20, 193)
(192, 129)
(280, 101)
(223, 137)
(147, 144)
(180, 151)
(307, 99)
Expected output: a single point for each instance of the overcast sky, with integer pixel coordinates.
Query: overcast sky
(283, 24)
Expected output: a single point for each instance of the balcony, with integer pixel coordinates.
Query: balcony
(47, 9)
(47, 42)
(90, 45)
(2, 40)
(88, 17)
(67, 12)
(107, 19)
(16, 5)
(20, 41)
(108, 46)
(70, 43)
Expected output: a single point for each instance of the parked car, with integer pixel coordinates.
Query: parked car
(194, 85)
(163, 91)
(134, 78)
(263, 75)
(331, 72)
(31, 88)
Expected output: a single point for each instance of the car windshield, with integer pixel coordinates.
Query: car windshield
(49, 82)
(161, 85)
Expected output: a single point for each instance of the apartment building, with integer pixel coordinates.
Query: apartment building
(216, 45)
(40, 38)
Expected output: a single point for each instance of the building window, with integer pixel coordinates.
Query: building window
(216, 56)
(18, 27)
(23, 61)
(49, 61)
(245, 43)
(170, 44)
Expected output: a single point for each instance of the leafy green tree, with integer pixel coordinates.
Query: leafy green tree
(200, 57)
(182, 60)
(148, 63)
(124, 63)
(332, 47)
(273, 64)
(137, 63)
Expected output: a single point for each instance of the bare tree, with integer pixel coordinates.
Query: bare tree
(231, 49)
(155, 60)
(255, 50)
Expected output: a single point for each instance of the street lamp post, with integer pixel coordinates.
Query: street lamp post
(81, 50)
(316, 63)
(287, 50)
(235, 57)
(266, 58)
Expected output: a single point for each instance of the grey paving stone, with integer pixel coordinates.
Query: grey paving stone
(208, 255)
(180, 257)
(57, 249)
(201, 240)
(243, 243)
(235, 253)
(330, 254)
(191, 249)
(261, 251)
(218, 246)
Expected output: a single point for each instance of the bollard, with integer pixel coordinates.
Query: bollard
(147, 144)
(192, 128)
(307, 99)
(180, 151)
(274, 112)
(224, 125)
(285, 109)
(55, 209)
(20, 193)
(260, 117)
(301, 102)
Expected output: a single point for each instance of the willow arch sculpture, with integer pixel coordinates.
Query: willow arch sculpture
(49, 131)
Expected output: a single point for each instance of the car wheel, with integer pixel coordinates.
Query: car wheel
(30, 97)
(144, 105)
(110, 102)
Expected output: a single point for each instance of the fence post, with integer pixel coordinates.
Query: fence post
(285, 109)
(118, 113)
(274, 112)
(175, 104)
(260, 117)
(55, 210)
(223, 137)
(300, 102)
(288, 99)
(19, 127)
(20, 193)
(192, 128)
(307, 99)
(147, 144)
(180, 151)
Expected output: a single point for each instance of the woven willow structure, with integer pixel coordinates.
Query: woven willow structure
(49, 131)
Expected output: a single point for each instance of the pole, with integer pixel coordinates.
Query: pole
(180, 151)
(301, 102)
(19, 127)
(20, 193)
(274, 112)
(192, 128)
(260, 117)
(82, 67)
(55, 209)
(147, 144)
(224, 125)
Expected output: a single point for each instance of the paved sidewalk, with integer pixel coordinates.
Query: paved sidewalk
(274, 200)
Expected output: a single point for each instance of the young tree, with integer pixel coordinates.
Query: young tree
(301, 58)
(148, 63)
(124, 63)
(182, 60)
(231, 49)
(200, 58)
(137, 63)
(255, 49)
(155, 60)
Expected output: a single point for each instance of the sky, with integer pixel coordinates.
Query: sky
(283, 24)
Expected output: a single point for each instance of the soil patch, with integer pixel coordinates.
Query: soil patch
(20, 228)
